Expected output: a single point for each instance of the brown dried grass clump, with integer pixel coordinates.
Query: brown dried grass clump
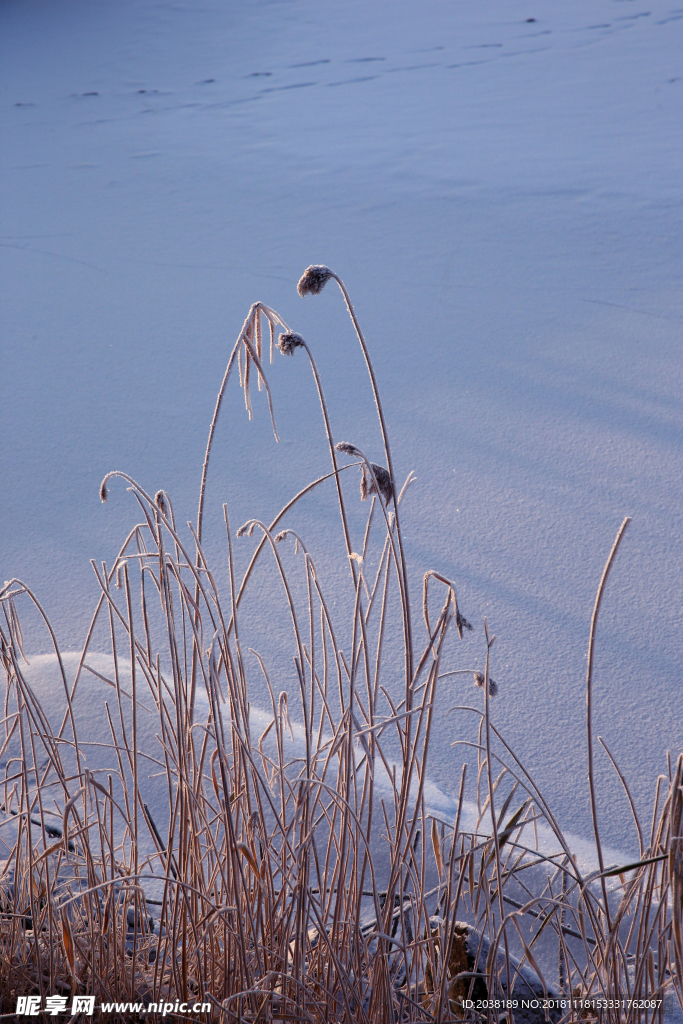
(314, 887)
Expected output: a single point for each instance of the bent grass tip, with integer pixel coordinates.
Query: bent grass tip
(348, 449)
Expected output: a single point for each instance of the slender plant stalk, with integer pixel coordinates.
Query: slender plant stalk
(589, 707)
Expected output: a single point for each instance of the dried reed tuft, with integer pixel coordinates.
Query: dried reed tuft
(461, 622)
(289, 341)
(479, 678)
(161, 502)
(348, 449)
(313, 280)
(374, 477)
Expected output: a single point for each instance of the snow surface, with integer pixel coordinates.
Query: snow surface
(499, 184)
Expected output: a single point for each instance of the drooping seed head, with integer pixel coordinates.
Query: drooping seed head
(314, 279)
(348, 449)
(367, 484)
(288, 342)
(479, 681)
(104, 493)
(161, 503)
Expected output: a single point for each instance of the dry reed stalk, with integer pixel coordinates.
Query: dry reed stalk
(589, 702)
(312, 282)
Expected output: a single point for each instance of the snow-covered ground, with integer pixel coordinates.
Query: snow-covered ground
(499, 184)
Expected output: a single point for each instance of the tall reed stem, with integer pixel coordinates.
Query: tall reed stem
(390, 466)
(589, 706)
